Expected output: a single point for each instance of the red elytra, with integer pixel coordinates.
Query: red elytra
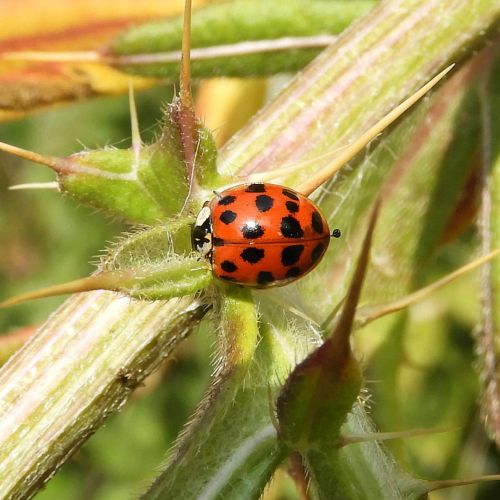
(261, 235)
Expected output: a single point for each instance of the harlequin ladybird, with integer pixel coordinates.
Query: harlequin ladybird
(261, 235)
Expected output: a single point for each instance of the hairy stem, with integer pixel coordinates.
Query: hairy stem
(79, 368)
(489, 327)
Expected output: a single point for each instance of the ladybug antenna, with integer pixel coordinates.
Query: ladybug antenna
(336, 233)
(217, 194)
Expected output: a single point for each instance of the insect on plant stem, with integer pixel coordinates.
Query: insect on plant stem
(262, 235)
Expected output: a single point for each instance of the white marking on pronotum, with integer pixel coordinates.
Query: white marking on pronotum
(222, 476)
(202, 218)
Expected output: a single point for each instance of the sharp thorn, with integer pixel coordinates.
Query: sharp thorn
(352, 150)
(185, 79)
(134, 122)
(50, 161)
(34, 185)
(102, 281)
(385, 436)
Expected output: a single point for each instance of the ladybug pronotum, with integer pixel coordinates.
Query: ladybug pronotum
(261, 235)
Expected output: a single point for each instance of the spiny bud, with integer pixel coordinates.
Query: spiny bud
(143, 184)
(321, 390)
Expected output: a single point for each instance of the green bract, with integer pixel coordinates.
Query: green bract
(146, 265)
(144, 186)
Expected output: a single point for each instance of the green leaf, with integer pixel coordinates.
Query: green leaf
(362, 470)
(238, 21)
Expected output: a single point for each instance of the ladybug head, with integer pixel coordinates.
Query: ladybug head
(201, 234)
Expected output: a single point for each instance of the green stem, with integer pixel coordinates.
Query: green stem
(214, 426)
(374, 65)
(223, 26)
(80, 368)
(487, 338)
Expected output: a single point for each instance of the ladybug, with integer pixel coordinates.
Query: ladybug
(261, 235)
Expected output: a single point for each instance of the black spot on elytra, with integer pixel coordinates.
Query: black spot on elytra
(252, 255)
(290, 227)
(291, 254)
(256, 188)
(317, 223)
(252, 231)
(265, 277)
(290, 194)
(228, 266)
(293, 272)
(227, 216)
(292, 206)
(218, 242)
(317, 252)
(264, 202)
(227, 200)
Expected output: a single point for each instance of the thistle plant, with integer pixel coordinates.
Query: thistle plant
(288, 388)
